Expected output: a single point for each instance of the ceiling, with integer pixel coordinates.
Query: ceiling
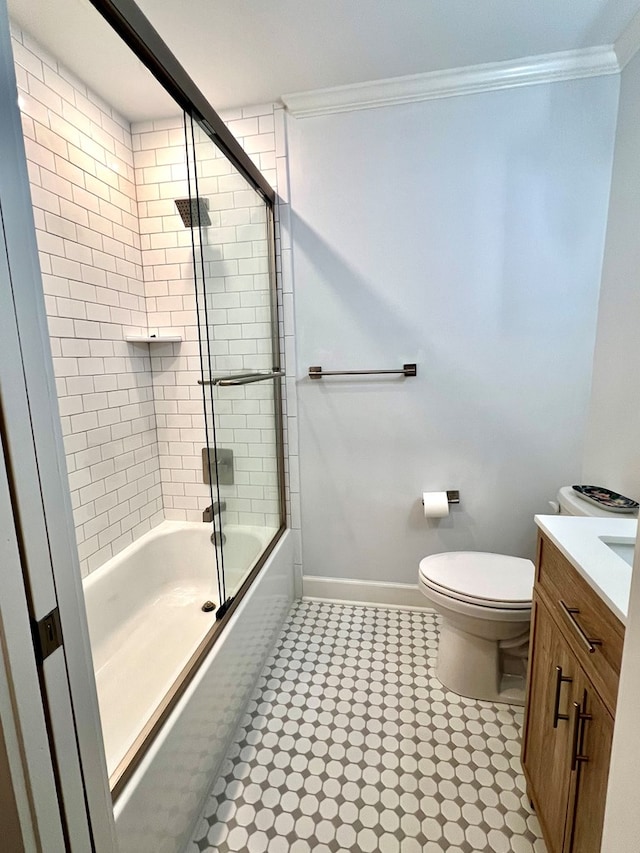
(253, 51)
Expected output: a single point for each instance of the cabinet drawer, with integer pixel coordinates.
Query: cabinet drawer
(582, 616)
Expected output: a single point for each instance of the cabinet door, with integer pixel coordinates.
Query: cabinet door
(547, 744)
(592, 732)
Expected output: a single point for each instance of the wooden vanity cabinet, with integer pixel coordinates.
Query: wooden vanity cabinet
(547, 744)
(574, 665)
(595, 733)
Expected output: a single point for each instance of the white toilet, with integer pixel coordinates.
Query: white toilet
(485, 604)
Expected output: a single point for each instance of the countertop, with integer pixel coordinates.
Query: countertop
(579, 540)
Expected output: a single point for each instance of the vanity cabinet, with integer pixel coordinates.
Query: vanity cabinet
(574, 666)
(594, 727)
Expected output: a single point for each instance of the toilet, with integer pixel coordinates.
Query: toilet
(485, 604)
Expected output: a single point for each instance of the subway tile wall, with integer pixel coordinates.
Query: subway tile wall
(233, 307)
(117, 260)
(80, 162)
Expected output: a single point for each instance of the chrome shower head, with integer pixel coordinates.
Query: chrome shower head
(194, 211)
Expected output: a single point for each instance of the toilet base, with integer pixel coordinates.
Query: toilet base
(474, 667)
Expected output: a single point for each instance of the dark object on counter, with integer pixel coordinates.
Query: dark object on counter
(605, 498)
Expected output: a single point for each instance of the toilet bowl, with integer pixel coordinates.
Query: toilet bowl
(485, 603)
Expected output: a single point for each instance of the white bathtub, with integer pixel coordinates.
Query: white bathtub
(144, 609)
(161, 803)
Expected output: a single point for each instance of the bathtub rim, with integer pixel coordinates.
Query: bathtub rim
(139, 748)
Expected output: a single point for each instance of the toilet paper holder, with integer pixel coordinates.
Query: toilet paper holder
(453, 496)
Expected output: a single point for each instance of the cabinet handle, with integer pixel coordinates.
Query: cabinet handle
(560, 679)
(571, 613)
(579, 718)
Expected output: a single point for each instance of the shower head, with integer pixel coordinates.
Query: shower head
(194, 211)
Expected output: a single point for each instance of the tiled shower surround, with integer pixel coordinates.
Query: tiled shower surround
(234, 250)
(116, 261)
(80, 161)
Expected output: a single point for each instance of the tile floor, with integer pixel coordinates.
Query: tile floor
(350, 743)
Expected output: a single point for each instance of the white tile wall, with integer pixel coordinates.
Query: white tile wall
(116, 259)
(237, 305)
(82, 184)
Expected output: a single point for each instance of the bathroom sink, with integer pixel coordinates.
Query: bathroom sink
(622, 546)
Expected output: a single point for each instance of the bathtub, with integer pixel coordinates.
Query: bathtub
(145, 617)
(161, 803)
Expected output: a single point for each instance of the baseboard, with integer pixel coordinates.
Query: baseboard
(405, 595)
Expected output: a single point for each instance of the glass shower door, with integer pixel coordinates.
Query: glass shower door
(240, 358)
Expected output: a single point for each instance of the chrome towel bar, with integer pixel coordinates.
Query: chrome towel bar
(317, 372)
(241, 378)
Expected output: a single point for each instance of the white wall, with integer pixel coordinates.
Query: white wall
(466, 235)
(613, 449)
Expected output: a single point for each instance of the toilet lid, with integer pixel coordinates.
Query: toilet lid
(490, 579)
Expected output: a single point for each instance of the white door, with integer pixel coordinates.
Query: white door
(28, 774)
(49, 677)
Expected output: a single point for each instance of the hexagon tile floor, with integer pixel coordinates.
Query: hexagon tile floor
(350, 743)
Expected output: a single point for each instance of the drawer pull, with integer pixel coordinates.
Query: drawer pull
(560, 679)
(579, 718)
(571, 613)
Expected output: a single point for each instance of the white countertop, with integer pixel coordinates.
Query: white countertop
(579, 540)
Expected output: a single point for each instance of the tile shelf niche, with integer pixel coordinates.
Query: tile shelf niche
(153, 339)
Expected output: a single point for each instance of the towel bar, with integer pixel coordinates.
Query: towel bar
(317, 372)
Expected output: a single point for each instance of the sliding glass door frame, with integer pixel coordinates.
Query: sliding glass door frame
(132, 26)
(136, 31)
(127, 20)
(197, 139)
(278, 353)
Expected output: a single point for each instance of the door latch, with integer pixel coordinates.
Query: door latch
(47, 635)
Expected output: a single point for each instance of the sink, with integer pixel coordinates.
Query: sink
(622, 546)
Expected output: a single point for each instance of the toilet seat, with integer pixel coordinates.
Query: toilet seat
(480, 578)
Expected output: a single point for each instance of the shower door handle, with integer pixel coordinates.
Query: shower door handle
(241, 378)
(247, 379)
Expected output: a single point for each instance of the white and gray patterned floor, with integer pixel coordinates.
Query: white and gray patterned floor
(350, 743)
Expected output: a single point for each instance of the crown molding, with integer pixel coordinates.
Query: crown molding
(489, 77)
(628, 42)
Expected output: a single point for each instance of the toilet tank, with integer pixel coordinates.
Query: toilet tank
(572, 504)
